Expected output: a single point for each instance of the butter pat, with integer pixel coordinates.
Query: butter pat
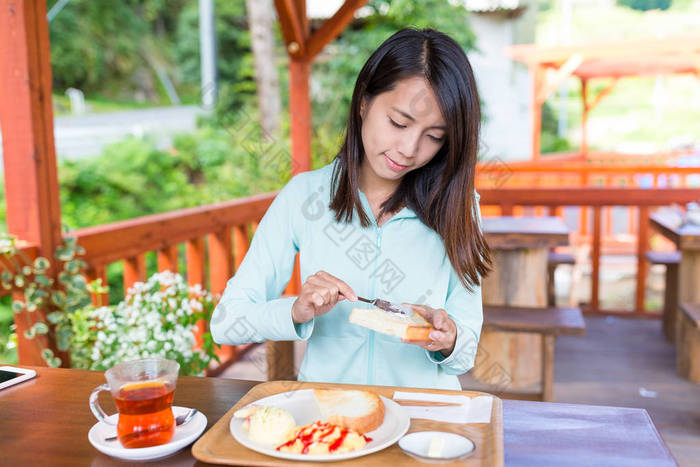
(435, 447)
(270, 426)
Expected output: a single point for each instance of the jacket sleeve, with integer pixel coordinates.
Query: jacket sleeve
(466, 310)
(251, 309)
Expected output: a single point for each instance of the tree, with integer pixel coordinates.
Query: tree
(261, 21)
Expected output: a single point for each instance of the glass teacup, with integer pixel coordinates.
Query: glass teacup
(143, 393)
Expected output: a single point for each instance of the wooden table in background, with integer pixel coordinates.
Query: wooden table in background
(45, 421)
(519, 247)
(687, 240)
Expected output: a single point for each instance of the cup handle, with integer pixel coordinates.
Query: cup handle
(95, 405)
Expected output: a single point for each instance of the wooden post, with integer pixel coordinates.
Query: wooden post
(134, 271)
(584, 118)
(595, 260)
(194, 259)
(220, 270)
(537, 83)
(300, 114)
(168, 259)
(26, 116)
(642, 265)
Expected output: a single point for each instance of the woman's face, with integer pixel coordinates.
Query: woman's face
(402, 129)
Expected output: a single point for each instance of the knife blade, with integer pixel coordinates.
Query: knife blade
(388, 306)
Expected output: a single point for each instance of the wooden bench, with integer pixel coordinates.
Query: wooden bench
(672, 260)
(688, 345)
(549, 323)
(554, 259)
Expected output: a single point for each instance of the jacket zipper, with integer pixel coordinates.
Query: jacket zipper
(370, 353)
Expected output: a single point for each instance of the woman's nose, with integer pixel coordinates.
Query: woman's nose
(407, 145)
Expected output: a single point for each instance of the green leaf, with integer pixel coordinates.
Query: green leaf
(55, 362)
(40, 328)
(19, 281)
(31, 306)
(63, 338)
(29, 333)
(80, 250)
(42, 280)
(5, 276)
(17, 306)
(58, 298)
(79, 282)
(41, 264)
(64, 254)
(41, 294)
(47, 354)
(26, 270)
(54, 317)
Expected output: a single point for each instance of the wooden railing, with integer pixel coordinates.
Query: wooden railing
(550, 201)
(215, 238)
(597, 170)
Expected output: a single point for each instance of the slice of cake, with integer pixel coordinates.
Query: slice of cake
(412, 327)
(362, 411)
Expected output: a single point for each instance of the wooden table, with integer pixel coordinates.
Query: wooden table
(519, 247)
(687, 240)
(45, 421)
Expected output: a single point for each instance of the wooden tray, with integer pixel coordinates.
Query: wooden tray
(218, 446)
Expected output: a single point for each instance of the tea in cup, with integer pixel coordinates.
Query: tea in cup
(143, 392)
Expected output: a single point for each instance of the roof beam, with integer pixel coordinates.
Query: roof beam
(604, 92)
(552, 83)
(292, 19)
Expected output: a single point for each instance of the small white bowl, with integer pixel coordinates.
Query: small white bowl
(454, 446)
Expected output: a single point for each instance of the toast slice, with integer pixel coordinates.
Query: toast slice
(412, 327)
(362, 411)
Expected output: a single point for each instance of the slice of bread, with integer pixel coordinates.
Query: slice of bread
(412, 327)
(362, 411)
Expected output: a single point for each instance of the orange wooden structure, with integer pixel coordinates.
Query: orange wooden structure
(551, 66)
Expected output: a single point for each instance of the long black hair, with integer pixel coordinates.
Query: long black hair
(441, 193)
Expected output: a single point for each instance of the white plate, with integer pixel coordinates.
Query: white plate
(303, 407)
(455, 446)
(183, 436)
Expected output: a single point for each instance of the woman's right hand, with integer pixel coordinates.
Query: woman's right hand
(319, 294)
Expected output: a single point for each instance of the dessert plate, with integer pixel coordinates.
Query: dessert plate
(303, 407)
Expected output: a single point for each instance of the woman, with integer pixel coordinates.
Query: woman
(394, 216)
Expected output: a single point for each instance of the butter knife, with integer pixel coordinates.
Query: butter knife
(388, 306)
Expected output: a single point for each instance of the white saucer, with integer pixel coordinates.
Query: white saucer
(455, 446)
(184, 435)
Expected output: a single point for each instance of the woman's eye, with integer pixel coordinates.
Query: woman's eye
(435, 138)
(396, 124)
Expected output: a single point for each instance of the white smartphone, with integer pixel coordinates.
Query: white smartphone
(10, 375)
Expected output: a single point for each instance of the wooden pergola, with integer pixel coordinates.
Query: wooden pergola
(26, 117)
(551, 66)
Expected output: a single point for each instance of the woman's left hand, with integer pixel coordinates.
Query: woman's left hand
(444, 335)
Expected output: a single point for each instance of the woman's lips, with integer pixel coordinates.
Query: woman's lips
(393, 165)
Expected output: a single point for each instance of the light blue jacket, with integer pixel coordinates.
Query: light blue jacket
(401, 261)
